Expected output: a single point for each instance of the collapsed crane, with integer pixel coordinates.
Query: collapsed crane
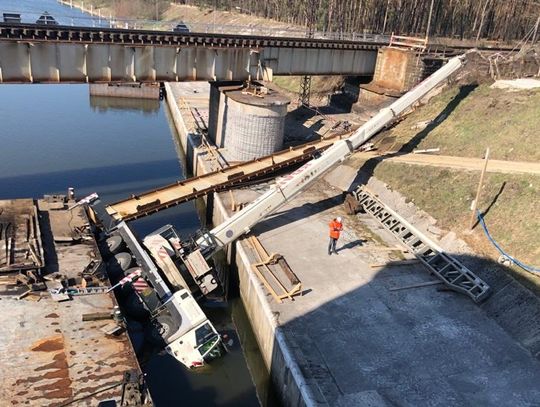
(182, 268)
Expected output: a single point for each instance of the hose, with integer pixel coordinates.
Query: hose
(530, 269)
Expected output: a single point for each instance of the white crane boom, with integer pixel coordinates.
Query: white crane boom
(289, 186)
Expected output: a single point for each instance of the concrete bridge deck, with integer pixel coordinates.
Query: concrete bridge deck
(32, 53)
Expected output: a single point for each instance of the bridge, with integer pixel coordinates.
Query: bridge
(31, 53)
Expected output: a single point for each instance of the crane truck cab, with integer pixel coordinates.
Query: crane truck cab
(195, 341)
(182, 326)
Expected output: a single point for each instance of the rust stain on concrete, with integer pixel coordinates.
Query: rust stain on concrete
(57, 369)
(51, 344)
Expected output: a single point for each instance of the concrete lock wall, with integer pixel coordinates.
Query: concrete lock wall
(290, 384)
(125, 90)
(285, 373)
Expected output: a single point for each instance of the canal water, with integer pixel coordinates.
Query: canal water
(56, 136)
(53, 137)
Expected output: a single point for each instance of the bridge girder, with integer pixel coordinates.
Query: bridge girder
(54, 62)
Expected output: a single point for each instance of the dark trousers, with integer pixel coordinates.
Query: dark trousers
(332, 245)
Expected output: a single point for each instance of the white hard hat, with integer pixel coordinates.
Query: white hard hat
(338, 219)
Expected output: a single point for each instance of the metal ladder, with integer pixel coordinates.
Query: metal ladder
(452, 273)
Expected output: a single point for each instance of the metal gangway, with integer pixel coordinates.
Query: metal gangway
(452, 273)
(149, 202)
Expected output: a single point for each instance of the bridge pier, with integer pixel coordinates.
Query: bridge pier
(397, 71)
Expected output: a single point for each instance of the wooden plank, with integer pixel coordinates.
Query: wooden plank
(97, 316)
(34, 255)
(270, 289)
(8, 251)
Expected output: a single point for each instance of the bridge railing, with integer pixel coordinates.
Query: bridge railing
(94, 18)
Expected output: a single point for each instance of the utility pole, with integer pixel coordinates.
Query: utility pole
(305, 84)
(478, 191)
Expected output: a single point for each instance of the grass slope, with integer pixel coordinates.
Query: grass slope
(469, 119)
(511, 204)
(466, 120)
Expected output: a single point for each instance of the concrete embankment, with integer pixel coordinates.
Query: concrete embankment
(359, 335)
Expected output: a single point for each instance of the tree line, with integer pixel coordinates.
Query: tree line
(463, 19)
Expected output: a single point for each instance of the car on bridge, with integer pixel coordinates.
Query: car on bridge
(46, 19)
(181, 28)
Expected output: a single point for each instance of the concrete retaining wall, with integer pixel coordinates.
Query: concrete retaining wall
(287, 378)
(122, 90)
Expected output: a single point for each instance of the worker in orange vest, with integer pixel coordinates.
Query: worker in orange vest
(335, 228)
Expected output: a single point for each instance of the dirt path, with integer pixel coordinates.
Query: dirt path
(462, 163)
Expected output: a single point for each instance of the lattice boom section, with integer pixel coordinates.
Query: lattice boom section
(453, 274)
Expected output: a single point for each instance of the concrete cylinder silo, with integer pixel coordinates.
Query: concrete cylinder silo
(253, 125)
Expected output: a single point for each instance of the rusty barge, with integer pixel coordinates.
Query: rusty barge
(64, 340)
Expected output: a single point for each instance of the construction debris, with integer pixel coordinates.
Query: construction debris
(427, 150)
(516, 84)
(421, 125)
(51, 334)
(20, 236)
(97, 316)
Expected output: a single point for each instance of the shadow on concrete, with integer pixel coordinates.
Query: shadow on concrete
(350, 245)
(423, 346)
(296, 132)
(368, 168)
(297, 213)
(47, 239)
(343, 101)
